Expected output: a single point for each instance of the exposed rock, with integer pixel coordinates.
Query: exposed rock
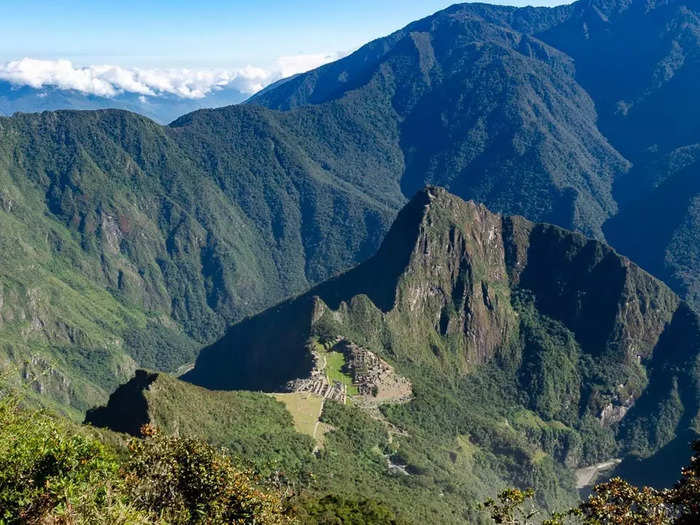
(587, 476)
(111, 232)
(6, 202)
(614, 412)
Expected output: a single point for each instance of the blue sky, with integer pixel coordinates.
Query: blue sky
(189, 33)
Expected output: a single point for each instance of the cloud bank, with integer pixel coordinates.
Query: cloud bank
(110, 81)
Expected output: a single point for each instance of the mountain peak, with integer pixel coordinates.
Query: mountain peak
(450, 267)
(456, 289)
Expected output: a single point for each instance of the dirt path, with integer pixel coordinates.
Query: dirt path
(184, 369)
(318, 420)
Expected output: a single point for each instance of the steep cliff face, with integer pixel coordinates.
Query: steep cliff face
(456, 291)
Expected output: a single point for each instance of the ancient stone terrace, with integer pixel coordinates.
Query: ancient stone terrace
(375, 379)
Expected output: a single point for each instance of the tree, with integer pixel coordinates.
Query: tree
(618, 502)
(513, 507)
(188, 481)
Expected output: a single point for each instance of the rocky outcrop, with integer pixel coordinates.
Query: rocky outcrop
(127, 408)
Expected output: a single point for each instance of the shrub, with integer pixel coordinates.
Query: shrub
(44, 469)
(52, 471)
(188, 481)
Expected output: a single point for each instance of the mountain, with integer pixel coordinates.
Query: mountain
(163, 108)
(491, 114)
(131, 244)
(472, 351)
(542, 112)
(127, 243)
(648, 111)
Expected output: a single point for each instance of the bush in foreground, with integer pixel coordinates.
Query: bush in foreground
(54, 472)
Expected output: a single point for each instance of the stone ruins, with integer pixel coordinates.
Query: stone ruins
(374, 378)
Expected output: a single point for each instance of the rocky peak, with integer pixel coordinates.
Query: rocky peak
(446, 272)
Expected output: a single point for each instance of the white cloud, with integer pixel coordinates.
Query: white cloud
(109, 81)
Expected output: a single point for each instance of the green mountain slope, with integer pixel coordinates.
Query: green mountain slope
(509, 107)
(482, 109)
(253, 427)
(648, 111)
(130, 243)
(650, 102)
(531, 351)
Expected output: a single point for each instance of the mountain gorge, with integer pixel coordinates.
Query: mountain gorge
(490, 113)
(462, 258)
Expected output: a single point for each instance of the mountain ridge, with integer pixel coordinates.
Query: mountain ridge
(644, 110)
(173, 233)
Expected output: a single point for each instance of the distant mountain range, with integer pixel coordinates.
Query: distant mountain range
(163, 108)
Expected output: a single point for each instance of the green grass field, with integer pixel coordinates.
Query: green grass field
(305, 409)
(335, 361)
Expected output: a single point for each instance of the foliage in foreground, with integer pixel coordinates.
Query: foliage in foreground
(51, 472)
(615, 502)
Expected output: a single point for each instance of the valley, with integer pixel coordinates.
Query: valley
(460, 260)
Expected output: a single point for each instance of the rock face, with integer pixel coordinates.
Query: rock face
(589, 339)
